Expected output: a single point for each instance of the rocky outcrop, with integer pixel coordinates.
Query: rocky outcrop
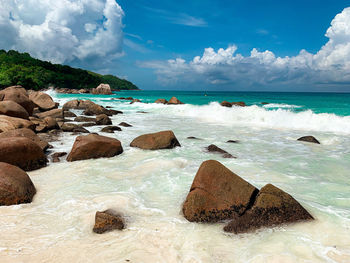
(111, 129)
(217, 194)
(10, 123)
(124, 124)
(13, 109)
(55, 113)
(214, 149)
(108, 220)
(311, 139)
(103, 119)
(95, 109)
(15, 185)
(230, 104)
(94, 146)
(27, 133)
(22, 152)
(42, 100)
(174, 101)
(272, 207)
(155, 141)
(161, 101)
(103, 89)
(18, 95)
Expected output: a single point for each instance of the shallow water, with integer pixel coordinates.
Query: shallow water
(149, 187)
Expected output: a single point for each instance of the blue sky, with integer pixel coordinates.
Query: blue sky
(155, 43)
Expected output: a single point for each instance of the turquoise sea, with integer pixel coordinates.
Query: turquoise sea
(149, 187)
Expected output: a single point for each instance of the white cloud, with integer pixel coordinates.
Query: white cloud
(64, 30)
(331, 64)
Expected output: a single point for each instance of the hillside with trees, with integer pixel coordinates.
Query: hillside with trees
(21, 69)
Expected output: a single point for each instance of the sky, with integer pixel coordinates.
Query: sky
(190, 45)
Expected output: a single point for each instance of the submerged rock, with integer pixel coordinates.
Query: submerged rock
(111, 129)
(230, 104)
(94, 146)
(217, 194)
(214, 149)
(226, 104)
(124, 124)
(107, 221)
(155, 141)
(22, 152)
(56, 156)
(193, 138)
(272, 207)
(15, 185)
(232, 141)
(311, 139)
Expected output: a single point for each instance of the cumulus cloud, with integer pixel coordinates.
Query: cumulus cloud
(64, 30)
(331, 64)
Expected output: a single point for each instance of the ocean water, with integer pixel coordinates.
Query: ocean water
(149, 187)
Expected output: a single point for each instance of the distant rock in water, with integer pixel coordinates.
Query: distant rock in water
(175, 101)
(217, 194)
(135, 100)
(265, 103)
(213, 148)
(161, 101)
(232, 141)
(156, 141)
(226, 104)
(94, 146)
(311, 139)
(103, 89)
(193, 138)
(124, 124)
(107, 221)
(15, 185)
(111, 129)
(272, 207)
(230, 104)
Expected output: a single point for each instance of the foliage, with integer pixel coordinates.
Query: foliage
(21, 69)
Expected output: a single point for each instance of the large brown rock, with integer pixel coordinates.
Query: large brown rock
(103, 119)
(77, 104)
(174, 100)
(217, 194)
(108, 220)
(55, 113)
(13, 109)
(42, 100)
(95, 109)
(272, 207)
(15, 185)
(72, 127)
(103, 89)
(18, 95)
(94, 146)
(22, 152)
(311, 139)
(8, 123)
(155, 141)
(27, 133)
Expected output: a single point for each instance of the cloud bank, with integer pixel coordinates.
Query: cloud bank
(62, 30)
(330, 65)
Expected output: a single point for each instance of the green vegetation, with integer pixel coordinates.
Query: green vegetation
(21, 69)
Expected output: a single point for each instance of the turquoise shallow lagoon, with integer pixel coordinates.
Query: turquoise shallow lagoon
(149, 187)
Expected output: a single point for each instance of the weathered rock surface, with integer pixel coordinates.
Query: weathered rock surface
(272, 207)
(214, 149)
(18, 95)
(103, 89)
(13, 109)
(124, 124)
(108, 220)
(84, 119)
(226, 104)
(56, 156)
(217, 194)
(8, 123)
(155, 141)
(42, 100)
(94, 146)
(55, 113)
(71, 127)
(174, 100)
(111, 129)
(15, 185)
(22, 152)
(27, 133)
(103, 119)
(311, 139)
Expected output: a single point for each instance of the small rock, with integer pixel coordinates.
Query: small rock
(124, 124)
(311, 139)
(161, 101)
(108, 220)
(103, 119)
(155, 141)
(111, 129)
(215, 149)
(232, 141)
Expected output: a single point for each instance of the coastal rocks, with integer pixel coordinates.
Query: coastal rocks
(174, 101)
(111, 129)
(103, 119)
(55, 113)
(155, 141)
(95, 109)
(27, 133)
(18, 95)
(226, 104)
(108, 220)
(272, 207)
(71, 127)
(56, 156)
(84, 119)
(68, 114)
(15, 185)
(124, 124)
(217, 194)
(94, 146)
(10, 123)
(22, 152)
(230, 104)
(135, 100)
(13, 109)
(311, 139)
(42, 100)
(214, 149)
(232, 141)
(161, 101)
(102, 89)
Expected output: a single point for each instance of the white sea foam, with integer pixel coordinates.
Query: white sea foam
(282, 105)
